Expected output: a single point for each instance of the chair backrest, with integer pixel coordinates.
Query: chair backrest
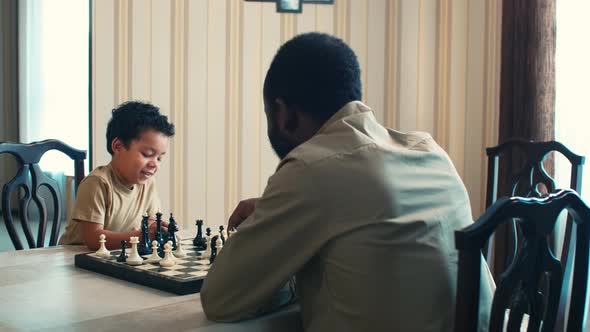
(525, 182)
(30, 179)
(534, 283)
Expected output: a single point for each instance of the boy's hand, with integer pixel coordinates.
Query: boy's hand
(241, 212)
(153, 227)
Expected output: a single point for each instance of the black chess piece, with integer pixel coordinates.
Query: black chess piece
(123, 256)
(221, 234)
(172, 227)
(159, 235)
(144, 248)
(213, 248)
(199, 241)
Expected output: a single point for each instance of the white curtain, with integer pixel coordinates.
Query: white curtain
(572, 113)
(54, 80)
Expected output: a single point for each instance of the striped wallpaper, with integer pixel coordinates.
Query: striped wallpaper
(426, 65)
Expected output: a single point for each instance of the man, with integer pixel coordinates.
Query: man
(362, 215)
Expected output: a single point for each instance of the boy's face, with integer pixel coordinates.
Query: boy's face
(139, 162)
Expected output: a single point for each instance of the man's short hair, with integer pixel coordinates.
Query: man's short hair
(131, 118)
(315, 71)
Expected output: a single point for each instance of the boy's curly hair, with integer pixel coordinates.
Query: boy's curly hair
(131, 118)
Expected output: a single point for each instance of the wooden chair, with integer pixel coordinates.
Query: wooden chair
(534, 283)
(528, 181)
(29, 179)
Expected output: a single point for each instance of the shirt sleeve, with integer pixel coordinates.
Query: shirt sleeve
(91, 199)
(282, 234)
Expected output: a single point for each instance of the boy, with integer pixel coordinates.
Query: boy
(112, 199)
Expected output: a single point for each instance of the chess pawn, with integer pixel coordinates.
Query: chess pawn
(123, 256)
(171, 250)
(102, 251)
(134, 258)
(179, 253)
(154, 258)
(167, 261)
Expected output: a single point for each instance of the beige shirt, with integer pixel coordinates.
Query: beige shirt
(103, 199)
(364, 217)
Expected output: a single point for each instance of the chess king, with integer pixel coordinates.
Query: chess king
(112, 198)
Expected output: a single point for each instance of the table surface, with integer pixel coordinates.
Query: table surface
(41, 289)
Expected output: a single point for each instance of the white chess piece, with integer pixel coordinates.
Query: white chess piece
(179, 253)
(207, 252)
(154, 258)
(167, 261)
(102, 251)
(171, 250)
(218, 244)
(134, 258)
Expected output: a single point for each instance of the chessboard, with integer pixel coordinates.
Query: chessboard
(185, 277)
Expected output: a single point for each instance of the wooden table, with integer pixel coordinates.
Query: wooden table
(41, 289)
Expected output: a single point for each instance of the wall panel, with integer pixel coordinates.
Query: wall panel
(426, 65)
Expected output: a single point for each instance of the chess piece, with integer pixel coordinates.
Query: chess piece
(199, 241)
(171, 253)
(123, 256)
(208, 237)
(168, 261)
(222, 234)
(172, 226)
(159, 234)
(218, 244)
(213, 245)
(154, 258)
(179, 253)
(144, 246)
(102, 251)
(134, 258)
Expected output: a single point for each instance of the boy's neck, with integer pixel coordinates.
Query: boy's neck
(115, 167)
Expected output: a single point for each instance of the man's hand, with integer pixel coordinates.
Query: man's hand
(153, 227)
(241, 212)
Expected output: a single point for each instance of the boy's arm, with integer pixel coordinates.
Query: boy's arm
(91, 231)
(90, 234)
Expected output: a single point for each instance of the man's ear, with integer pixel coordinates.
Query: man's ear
(286, 116)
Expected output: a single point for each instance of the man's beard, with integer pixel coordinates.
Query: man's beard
(279, 144)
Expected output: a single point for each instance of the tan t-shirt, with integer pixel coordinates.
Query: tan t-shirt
(104, 200)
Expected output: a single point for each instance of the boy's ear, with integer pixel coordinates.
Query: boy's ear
(117, 145)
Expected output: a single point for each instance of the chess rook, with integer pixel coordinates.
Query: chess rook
(199, 241)
(134, 258)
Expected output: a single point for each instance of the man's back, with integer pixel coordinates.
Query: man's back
(394, 201)
(365, 218)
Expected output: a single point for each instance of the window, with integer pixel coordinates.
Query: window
(572, 70)
(54, 76)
